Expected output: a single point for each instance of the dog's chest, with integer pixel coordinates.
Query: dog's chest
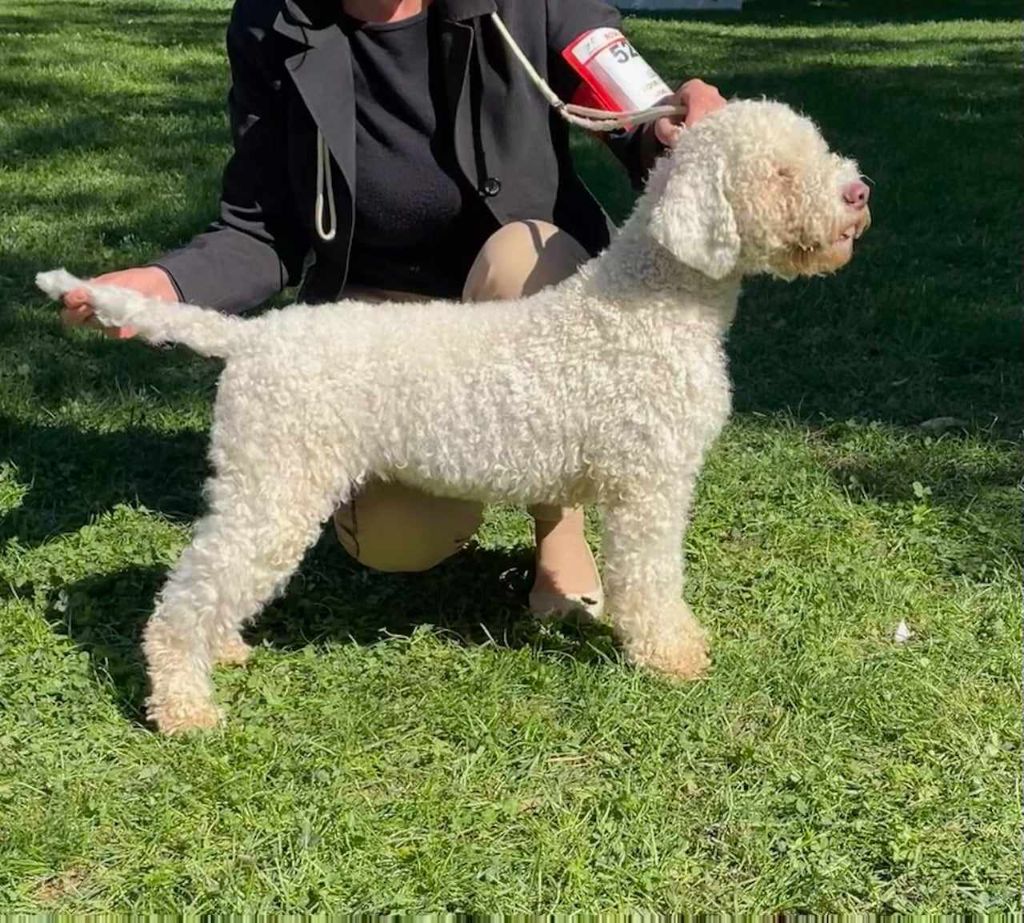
(657, 394)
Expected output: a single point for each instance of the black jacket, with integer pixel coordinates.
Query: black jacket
(292, 74)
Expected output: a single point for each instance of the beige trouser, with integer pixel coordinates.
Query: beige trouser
(391, 527)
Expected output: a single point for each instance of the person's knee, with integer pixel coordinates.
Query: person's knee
(396, 556)
(520, 259)
(395, 529)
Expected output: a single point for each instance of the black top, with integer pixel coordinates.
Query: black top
(417, 227)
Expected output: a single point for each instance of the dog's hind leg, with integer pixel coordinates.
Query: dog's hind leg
(242, 553)
(643, 579)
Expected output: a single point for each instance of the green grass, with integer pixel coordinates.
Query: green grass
(404, 743)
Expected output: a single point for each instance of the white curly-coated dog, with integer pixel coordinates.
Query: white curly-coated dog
(608, 388)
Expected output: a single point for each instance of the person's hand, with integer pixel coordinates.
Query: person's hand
(146, 280)
(698, 98)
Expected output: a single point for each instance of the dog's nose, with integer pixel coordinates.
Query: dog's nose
(856, 194)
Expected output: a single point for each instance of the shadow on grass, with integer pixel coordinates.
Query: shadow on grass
(104, 615)
(477, 597)
(74, 476)
(891, 480)
(977, 493)
(155, 23)
(55, 366)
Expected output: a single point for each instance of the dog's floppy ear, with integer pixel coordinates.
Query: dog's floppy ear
(692, 218)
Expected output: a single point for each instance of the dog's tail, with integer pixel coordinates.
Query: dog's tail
(156, 321)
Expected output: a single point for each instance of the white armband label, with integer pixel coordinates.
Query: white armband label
(614, 71)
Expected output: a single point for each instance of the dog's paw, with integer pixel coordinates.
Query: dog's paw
(679, 651)
(233, 651)
(179, 716)
(682, 663)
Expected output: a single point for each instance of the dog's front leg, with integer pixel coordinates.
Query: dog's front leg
(643, 578)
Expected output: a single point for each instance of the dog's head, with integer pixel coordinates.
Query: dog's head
(753, 188)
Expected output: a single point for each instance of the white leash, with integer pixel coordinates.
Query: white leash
(324, 190)
(581, 116)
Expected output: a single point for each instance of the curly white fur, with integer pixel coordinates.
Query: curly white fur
(607, 389)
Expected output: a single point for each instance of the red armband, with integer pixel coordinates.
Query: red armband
(614, 76)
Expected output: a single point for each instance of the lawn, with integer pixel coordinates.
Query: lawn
(417, 742)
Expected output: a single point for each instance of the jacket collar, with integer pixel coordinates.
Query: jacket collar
(322, 73)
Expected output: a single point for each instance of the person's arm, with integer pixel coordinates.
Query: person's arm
(257, 245)
(638, 148)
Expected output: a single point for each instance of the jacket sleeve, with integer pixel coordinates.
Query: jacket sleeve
(637, 149)
(257, 245)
